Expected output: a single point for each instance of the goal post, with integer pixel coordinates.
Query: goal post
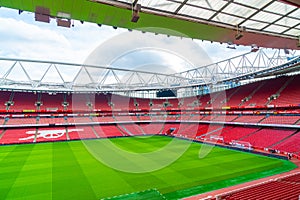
(241, 144)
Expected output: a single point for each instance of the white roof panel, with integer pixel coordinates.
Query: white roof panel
(253, 3)
(276, 29)
(280, 8)
(254, 24)
(266, 17)
(239, 10)
(286, 21)
(294, 32)
(261, 16)
(196, 12)
(228, 19)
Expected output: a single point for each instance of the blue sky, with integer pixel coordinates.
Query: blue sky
(22, 37)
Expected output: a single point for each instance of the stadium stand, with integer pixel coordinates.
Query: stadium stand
(78, 101)
(143, 104)
(51, 134)
(4, 97)
(51, 120)
(265, 90)
(103, 119)
(291, 144)
(237, 133)
(152, 128)
(243, 92)
(285, 188)
(131, 129)
(122, 103)
(294, 178)
(15, 136)
(250, 118)
(52, 101)
(225, 118)
(267, 137)
(23, 101)
(157, 111)
(280, 120)
(81, 132)
(17, 121)
(102, 102)
(108, 131)
(289, 95)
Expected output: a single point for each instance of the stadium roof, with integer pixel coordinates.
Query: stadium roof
(266, 23)
(21, 74)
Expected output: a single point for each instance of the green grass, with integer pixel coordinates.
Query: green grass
(67, 170)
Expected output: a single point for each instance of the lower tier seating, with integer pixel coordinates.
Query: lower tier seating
(267, 137)
(282, 189)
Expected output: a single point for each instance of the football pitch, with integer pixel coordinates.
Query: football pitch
(68, 170)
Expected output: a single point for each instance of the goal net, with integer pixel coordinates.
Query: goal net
(241, 144)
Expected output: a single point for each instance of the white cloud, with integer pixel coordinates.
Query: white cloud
(22, 37)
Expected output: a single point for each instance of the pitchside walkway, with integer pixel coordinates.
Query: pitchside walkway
(213, 194)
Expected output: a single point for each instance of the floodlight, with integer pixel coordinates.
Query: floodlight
(64, 22)
(42, 14)
(136, 13)
(254, 48)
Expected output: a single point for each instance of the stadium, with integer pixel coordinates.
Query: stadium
(208, 130)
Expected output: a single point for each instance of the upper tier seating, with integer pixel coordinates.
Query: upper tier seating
(268, 88)
(243, 92)
(101, 102)
(52, 102)
(143, 104)
(290, 95)
(24, 101)
(4, 97)
(122, 103)
(78, 101)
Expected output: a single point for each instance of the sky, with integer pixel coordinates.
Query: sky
(22, 37)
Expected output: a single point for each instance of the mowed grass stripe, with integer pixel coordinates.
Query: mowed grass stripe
(104, 180)
(10, 167)
(35, 178)
(140, 144)
(68, 179)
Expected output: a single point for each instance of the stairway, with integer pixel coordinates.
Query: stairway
(277, 94)
(252, 93)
